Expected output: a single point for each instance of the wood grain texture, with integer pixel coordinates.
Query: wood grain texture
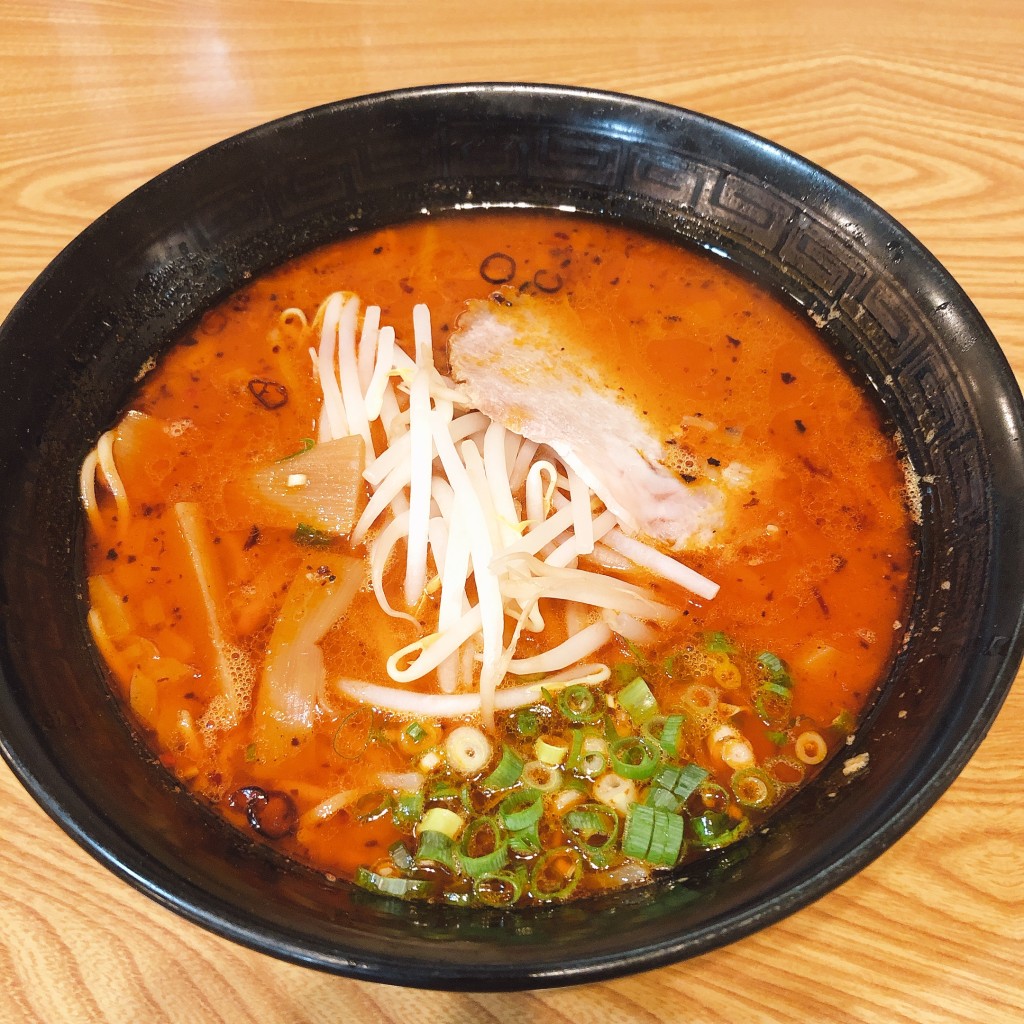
(918, 104)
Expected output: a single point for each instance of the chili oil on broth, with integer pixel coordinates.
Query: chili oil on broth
(813, 563)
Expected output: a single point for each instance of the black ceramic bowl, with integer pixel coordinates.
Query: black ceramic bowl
(71, 349)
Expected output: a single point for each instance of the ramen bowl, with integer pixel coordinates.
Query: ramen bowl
(72, 350)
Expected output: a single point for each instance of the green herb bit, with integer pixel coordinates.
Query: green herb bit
(527, 723)
(595, 829)
(714, 830)
(507, 771)
(407, 809)
(775, 669)
(634, 757)
(653, 835)
(499, 888)
(436, 848)
(311, 537)
(637, 701)
(387, 885)
(483, 848)
(681, 782)
(556, 874)
(780, 739)
(304, 446)
(719, 643)
(521, 809)
(579, 706)
(250, 752)
(624, 672)
(401, 857)
(415, 732)
(844, 722)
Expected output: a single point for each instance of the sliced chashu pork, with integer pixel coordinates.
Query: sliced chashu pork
(524, 363)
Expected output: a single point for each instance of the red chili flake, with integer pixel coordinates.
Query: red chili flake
(787, 378)
(821, 602)
(800, 426)
(253, 539)
(268, 393)
(405, 286)
(735, 342)
(712, 461)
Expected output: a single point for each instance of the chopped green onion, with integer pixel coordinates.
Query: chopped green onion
(637, 701)
(415, 732)
(579, 705)
(595, 756)
(401, 857)
(507, 772)
(499, 888)
(521, 809)
(311, 537)
(713, 831)
(623, 672)
(525, 841)
(527, 723)
(663, 798)
(844, 722)
(408, 809)
(775, 668)
(372, 805)
(556, 874)
(780, 739)
(354, 734)
(635, 758)
(386, 885)
(538, 775)
(442, 789)
(772, 703)
(483, 834)
(575, 750)
(436, 848)
(753, 787)
(666, 731)
(719, 643)
(304, 446)
(653, 835)
(595, 828)
(681, 782)
(550, 753)
(250, 752)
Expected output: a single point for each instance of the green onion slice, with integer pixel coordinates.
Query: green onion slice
(483, 848)
(579, 706)
(681, 782)
(713, 830)
(637, 701)
(666, 731)
(436, 848)
(401, 857)
(525, 841)
(556, 874)
(527, 723)
(595, 828)
(507, 772)
(499, 888)
(407, 809)
(371, 806)
(772, 703)
(634, 757)
(719, 643)
(354, 733)
(653, 835)
(522, 808)
(753, 788)
(386, 885)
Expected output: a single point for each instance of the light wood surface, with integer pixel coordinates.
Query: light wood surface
(918, 103)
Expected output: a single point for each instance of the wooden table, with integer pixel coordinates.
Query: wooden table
(918, 103)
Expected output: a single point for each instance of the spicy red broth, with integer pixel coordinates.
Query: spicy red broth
(710, 710)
